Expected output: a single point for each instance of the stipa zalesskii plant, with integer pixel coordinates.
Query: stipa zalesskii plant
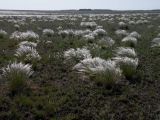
(65, 33)
(121, 33)
(77, 54)
(89, 36)
(80, 33)
(3, 33)
(107, 42)
(27, 43)
(29, 35)
(27, 53)
(127, 65)
(16, 26)
(155, 42)
(99, 32)
(132, 22)
(122, 25)
(17, 75)
(88, 24)
(129, 41)
(100, 70)
(135, 35)
(48, 32)
(125, 52)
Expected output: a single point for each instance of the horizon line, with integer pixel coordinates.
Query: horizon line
(77, 9)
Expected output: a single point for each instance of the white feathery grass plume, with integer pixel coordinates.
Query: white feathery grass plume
(90, 36)
(16, 26)
(78, 54)
(27, 53)
(106, 41)
(88, 24)
(29, 35)
(155, 42)
(132, 22)
(65, 33)
(129, 41)
(135, 34)
(48, 32)
(127, 65)
(100, 32)
(99, 67)
(3, 33)
(122, 24)
(27, 43)
(121, 32)
(33, 56)
(17, 69)
(125, 52)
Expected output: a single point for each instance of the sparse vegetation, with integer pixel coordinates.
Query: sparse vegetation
(86, 67)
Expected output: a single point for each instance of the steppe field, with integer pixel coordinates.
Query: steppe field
(79, 65)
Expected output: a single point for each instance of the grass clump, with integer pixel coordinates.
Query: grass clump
(17, 75)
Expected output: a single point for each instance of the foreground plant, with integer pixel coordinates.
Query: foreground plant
(129, 41)
(17, 75)
(155, 42)
(100, 70)
(106, 42)
(121, 33)
(27, 43)
(125, 52)
(135, 34)
(127, 65)
(48, 32)
(3, 33)
(27, 53)
(29, 36)
(77, 54)
(100, 32)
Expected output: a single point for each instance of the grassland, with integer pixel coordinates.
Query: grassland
(56, 92)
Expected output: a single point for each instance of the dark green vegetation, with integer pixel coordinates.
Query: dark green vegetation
(56, 92)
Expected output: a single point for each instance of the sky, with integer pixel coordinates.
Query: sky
(79, 4)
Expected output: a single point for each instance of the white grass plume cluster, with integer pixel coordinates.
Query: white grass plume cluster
(29, 35)
(129, 41)
(77, 54)
(155, 42)
(16, 26)
(106, 41)
(100, 32)
(121, 32)
(125, 52)
(76, 33)
(3, 33)
(122, 25)
(17, 76)
(132, 22)
(27, 53)
(27, 43)
(127, 65)
(14, 70)
(88, 24)
(90, 36)
(106, 71)
(65, 33)
(135, 34)
(48, 32)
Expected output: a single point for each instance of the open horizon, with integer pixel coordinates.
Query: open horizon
(75, 9)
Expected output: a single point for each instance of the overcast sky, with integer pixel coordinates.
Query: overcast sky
(77, 4)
